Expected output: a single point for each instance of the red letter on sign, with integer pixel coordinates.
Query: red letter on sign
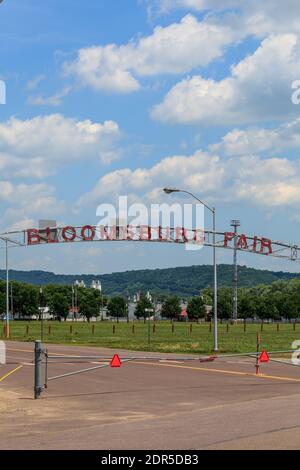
(91, 236)
(228, 237)
(242, 242)
(68, 237)
(266, 243)
(33, 237)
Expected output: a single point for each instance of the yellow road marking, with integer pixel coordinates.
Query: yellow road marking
(21, 350)
(32, 352)
(10, 373)
(220, 371)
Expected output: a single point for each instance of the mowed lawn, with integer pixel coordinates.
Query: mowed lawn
(164, 337)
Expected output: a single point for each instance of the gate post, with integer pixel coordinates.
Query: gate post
(37, 369)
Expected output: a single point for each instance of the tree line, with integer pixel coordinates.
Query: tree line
(281, 299)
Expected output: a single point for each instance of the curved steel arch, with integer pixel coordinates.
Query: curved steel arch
(180, 235)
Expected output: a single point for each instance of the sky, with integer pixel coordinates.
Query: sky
(108, 98)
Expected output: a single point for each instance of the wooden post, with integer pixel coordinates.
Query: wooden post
(277, 327)
(49, 330)
(227, 327)
(93, 329)
(154, 327)
(71, 329)
(27, 329)
(173, 328)
(294, 326)
(191, 327)
(210, 326)
(114, 329)
(133, 329)
(262, 326)
(245, 325)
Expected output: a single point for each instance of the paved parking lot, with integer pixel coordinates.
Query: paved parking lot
(148, 404)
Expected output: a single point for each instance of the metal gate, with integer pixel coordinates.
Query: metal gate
(43, 358)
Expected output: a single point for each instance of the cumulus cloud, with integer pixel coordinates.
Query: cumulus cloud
(269, 182)
(258, 89)
(254, 17)
(175, 49)
(259, 140)
(37, 147)
(26, 203)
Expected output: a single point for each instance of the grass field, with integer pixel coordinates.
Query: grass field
(179, 338)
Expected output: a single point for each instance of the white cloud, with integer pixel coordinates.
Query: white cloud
(175, 49)
(165, 6)
(258, 89)
(32, 84)
(272, 182)
(26, 203)
(35, 148)
(254, 17)
(259, 140)
(53, 100)
(200, 170)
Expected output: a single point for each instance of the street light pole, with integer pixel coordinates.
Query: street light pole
(215, 283)
(7, 290)
(215, 289)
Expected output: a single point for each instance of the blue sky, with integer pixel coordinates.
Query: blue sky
(112, 97)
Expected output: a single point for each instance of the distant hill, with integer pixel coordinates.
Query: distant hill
(182, 281)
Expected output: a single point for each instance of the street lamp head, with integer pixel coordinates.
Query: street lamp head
(171, 190)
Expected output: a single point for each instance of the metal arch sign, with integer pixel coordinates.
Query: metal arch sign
(97, 233)
(89, 233)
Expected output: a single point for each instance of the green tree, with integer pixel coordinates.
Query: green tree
(143, 304)
(171, 308)
(224, 303)
(246, 303)
(117, 307)
(26, 299)
(196, 308)
(59, 305)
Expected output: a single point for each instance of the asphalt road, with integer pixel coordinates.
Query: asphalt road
(148, 404)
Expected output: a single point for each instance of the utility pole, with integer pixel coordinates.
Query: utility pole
(235, 224)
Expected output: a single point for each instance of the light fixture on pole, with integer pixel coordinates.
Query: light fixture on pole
(169, 190)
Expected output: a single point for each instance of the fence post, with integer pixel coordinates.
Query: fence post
(172, 327)
(262, 326)
(294, 326)
(277, 327)
(191, 328)
(27, 329)
(49, 330)
(133, 329)
(93, 329)
(245, 325)
(153, 327)
(210, 326)
(227, 327)
(71, 329)
(114, 329)
(37, 369)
